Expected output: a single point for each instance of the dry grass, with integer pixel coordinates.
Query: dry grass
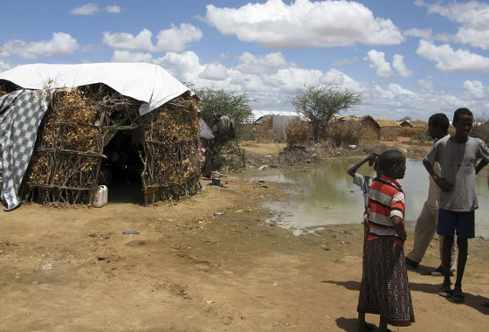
(263, 148)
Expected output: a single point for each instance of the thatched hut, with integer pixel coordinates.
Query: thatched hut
(406, 124)
(370, 131)
(131, 126)
(365, 129)
(273, 127)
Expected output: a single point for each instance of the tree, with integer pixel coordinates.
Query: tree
(215, 103)
(319, 104)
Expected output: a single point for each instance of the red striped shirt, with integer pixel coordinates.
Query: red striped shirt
(386, 200)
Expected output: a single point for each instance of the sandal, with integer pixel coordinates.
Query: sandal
(445, 291)
(438, 272)
(485, 304)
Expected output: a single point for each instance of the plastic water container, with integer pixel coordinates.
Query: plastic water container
(101, 196)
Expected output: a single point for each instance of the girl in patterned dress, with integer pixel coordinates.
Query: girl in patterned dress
(384, 289)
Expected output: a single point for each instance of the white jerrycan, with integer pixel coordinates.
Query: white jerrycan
(101, 196)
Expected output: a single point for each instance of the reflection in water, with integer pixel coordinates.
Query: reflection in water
(325, 195)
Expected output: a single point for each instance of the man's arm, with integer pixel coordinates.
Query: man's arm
(370, 158)
(441, 182)
(428, 164)
(483, 163)
(484, 155)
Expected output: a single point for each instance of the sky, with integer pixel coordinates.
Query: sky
(405, 58)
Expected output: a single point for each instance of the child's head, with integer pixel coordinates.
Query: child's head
(392, 163)
(438, 125)
(463, 120)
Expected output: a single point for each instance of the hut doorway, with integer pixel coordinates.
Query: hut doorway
(121, 171)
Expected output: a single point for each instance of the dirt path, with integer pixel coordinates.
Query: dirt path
(209, 263)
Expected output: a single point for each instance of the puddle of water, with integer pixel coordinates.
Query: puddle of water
(325, 195)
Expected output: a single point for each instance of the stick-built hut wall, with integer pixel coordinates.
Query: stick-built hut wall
(171, 146)
(66, 163)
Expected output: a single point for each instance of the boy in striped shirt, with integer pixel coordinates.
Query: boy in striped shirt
(385, 289)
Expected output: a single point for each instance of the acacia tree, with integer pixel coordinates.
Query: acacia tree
(319, 104)
(215, 103)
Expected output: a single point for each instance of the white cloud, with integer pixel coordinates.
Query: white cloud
(279, 81)
(448, 59)
(174, 39)
(215, 72)
(251, 64)
(399, 90)
(474, 89)
(113, 9)
(86, 9)
(272, 88)
(474, 37)
(4, 66)
(378, 62)
(127, 41)
(304, 23)
(399, 65)
(127, 56)
(419, 33)
(91, 8)
(186, 66)
(426, 84)
(472, 16)
(61, 43)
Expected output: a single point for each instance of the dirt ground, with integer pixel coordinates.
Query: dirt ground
(209, 263)
(272, 149)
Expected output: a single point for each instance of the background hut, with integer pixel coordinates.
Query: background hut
(273, 127)
(389, 129)
(406, 124)
(370, 130)
(142, 141)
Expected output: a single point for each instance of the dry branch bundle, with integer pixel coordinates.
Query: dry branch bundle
(171, 160)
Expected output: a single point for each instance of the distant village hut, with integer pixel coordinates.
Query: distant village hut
(406, 124)
(133, 127)
(273, 127)
(389, 129)
(365, 128)
(370, 129)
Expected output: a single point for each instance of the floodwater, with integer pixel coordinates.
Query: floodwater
(325, 195)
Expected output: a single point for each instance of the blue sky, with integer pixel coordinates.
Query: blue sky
(404, 57)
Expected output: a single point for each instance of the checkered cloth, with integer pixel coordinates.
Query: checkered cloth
(21, 113)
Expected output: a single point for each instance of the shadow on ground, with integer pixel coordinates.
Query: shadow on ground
(471, 300)
(347, 324)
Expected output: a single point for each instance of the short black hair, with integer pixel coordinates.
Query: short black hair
(439, 120)
(390, 159)
(461, 111)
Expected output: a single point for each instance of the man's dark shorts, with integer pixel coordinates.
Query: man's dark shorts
(463, 223)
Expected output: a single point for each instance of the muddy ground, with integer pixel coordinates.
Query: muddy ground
(209, 263)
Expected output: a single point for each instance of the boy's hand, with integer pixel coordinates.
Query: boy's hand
(372, 158)
(444, 184)
(403, 235)
(399, 227)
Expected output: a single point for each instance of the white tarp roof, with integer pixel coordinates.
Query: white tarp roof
(145, 82)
